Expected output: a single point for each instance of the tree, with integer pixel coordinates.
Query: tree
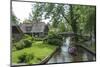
(83, 19)
(90, 25)
(36, 14)
(14, 19)
(56, 13)
(77, 17)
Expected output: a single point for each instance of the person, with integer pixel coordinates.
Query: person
(72, 50)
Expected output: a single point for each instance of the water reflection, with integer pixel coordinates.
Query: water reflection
(62, 54)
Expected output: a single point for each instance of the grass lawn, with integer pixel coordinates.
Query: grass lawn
(39, 51)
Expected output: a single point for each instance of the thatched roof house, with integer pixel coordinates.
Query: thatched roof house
(38, 29)
(26, 27)
(16, 31)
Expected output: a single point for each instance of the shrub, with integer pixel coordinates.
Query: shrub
(24, 43)
(22, 57)
(19, 45)
(14, 48)
(29, 57)
(38, 39)
(28, 37)
(53, 39)
(27, 43)
(25, 57)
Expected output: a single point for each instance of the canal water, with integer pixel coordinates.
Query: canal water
(62, 55)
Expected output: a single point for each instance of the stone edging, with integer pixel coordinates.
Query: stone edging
(46, 59)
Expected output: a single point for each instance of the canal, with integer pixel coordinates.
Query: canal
(63, 56)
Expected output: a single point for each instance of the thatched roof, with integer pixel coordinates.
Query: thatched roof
(35, 27)
(38, 27)
(23, 27)
(15, 28)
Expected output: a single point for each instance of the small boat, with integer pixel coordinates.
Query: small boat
(72, 50)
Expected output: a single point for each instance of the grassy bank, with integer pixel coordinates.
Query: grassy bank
(34, 54)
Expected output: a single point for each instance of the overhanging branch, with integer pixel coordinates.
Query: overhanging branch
(65, 18)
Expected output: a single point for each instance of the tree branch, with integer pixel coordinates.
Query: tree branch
(65, 18)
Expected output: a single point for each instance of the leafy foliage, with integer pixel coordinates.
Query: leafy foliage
(76, 18)
(54, 39)
(14, 19)
(19, 45)
(34, 54)
(28, 43)
(23, 43)
(25, 57)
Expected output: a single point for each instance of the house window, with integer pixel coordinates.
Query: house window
(28, 29)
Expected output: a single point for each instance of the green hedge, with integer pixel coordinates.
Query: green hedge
(25, 57)
(28, 37)
(28, 43)
(23, 43)
(19, 45)
(54, 39)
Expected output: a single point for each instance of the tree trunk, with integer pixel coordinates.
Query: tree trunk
(73, 23)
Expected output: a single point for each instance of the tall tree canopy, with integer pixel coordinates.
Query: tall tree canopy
(79, 18)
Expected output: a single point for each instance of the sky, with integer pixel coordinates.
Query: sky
(23, 9)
